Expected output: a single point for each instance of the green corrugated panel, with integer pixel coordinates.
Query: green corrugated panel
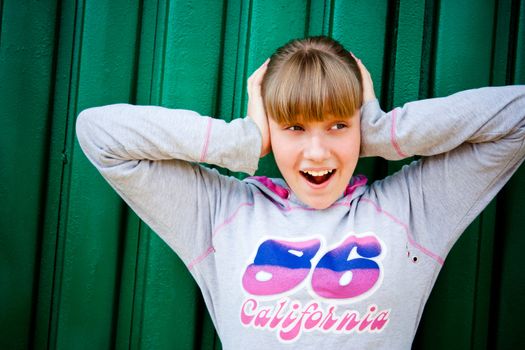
(100, 65)
(27, 33)
(268, 28)
(166, 291)
(79, 269)
(508, 303)
(364, 34)
(459, 289)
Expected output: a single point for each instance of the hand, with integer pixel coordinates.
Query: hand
(368, 84)
(256, 107)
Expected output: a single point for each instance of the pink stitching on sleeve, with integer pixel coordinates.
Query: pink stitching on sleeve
(206, 141)
(393, 136)
(411, 239)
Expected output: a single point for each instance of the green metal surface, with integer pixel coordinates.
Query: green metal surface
(79, 270)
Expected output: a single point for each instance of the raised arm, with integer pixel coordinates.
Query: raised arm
(471, 142)
(438, 125)
(148, 154)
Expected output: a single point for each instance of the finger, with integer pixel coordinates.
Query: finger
(358, 61)
(255, 81)
(258, 79)
(364, 72)
(261, 67)
(360, 64)
(258, 73)
(264, 65)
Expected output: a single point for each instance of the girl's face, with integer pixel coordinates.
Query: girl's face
(317, 159)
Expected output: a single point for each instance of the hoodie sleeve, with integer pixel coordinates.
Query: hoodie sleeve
(150, 156)
(470, 142)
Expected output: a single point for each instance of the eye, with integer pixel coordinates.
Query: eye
(295, 128)
(339, 126)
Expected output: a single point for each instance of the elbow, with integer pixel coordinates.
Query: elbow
(86, 131)
(84, 128)
(89, 124)
(520, 107)
(94, 131)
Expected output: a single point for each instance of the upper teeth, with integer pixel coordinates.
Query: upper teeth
(318, 173)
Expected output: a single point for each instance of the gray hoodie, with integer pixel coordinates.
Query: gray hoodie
(276, 274)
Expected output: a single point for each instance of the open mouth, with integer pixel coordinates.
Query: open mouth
(317, 177)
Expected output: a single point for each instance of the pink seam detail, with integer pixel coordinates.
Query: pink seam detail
(211, 249)
(434, 256)
(206, 141)
(393, 136)
(201, 257)
(288, 208)
(357, 181)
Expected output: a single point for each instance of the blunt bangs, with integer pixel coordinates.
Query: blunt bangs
(311, 86)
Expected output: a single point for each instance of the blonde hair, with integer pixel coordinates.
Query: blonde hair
(308, 79)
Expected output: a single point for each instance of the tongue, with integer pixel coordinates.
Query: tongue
(317, 179)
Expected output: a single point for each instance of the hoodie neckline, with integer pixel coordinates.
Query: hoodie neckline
(280, 191)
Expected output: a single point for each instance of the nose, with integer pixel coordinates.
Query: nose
(316, 149)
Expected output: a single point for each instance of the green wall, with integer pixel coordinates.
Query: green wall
(78, 270)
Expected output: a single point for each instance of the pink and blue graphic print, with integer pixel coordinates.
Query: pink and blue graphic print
(279, 266)
(346, 272)
(338, 276)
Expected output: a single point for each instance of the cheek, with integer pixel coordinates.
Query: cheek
(355, 140)
(281, 150)
(354, 148)
(350, 149)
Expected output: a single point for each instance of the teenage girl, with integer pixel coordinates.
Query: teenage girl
(321, 258)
